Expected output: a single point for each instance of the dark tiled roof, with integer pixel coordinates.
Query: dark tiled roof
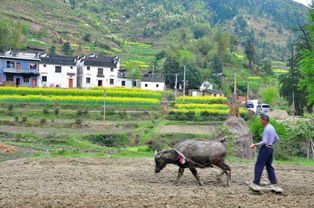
(153, 78)
(104, 61)
(58, 60)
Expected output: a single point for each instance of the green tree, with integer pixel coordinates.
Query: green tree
(73, 3)
(201, 30)
(266, 68)
(4, 35)
(52, 50)
(217, 65)
(289, 84)
(307, 63)
(250, 52)
(66, 48)
(269, 94)
(133, 70)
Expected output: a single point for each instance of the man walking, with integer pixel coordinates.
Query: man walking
(265, 156)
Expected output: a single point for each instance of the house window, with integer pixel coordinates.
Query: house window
(157, 85)
(44, 65)
(87, 80)
(58, 69)
(146, 85)
(88, 68)
(134, 84)
(26, 79)
(44, 78)
(71, 67)
(111, 69)
(33, 66)
(10, 77)
(123, 83)
(100, 71)
(111, 81)
(10, 64)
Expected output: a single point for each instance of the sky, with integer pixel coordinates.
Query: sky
(305, 2)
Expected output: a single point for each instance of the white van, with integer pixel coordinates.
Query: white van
(262, 109)
(251, 105)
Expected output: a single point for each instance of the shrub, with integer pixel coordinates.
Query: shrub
(42, 121)
(119, 140)
(205, 113)
(45, 111)
(24, 119)
(57, 111)
(16, 118)
(10, 107)
(79, 113)
(110, 111)
(78, 122)
(156, 144)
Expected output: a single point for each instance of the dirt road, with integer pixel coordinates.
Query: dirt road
(105, 182)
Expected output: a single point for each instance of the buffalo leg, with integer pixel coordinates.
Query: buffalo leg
(180, 173)
(195, 173)
(225, 170)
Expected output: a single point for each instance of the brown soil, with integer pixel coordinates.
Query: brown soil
(105, 182)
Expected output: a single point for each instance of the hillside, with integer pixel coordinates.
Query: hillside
(106, 26)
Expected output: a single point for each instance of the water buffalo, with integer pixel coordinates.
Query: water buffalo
(194, 154)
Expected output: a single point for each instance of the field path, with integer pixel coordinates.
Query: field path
(193, 129)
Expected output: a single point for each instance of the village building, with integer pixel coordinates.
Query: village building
(98, 71)
(209, 92)
(19, 69)
(206, 89)
(57, 71)
(123, 80)
(153, 81)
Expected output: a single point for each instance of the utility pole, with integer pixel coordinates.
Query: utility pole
(184, 72)
(104, 104)
(248, 92)
(235, 86)
(293, 107)
(175, 86)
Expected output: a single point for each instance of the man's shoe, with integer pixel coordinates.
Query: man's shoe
(255, 187)
(264, 183)
(276, 188)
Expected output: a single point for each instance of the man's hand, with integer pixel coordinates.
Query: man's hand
(253, 146)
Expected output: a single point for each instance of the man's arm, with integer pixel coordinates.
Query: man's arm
(264, 140)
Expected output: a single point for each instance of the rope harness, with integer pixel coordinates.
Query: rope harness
(183, 159)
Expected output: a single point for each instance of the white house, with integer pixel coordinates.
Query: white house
(123, 80)
(97, 71)
(57, 71)
(153, 82)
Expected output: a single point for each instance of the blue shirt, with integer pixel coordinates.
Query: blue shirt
(269, 136)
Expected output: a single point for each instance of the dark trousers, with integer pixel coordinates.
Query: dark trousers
(265, 158)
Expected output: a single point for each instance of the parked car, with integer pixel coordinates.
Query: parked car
(262, 109)
(251, 105)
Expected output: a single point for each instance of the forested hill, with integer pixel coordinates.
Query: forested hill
(103, 25)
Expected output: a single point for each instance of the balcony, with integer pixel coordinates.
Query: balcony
(21, 71)
(100, 75)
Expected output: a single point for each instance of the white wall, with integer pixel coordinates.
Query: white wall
(56, 79)
(152, 85)
(92, 74)
(128, 83)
